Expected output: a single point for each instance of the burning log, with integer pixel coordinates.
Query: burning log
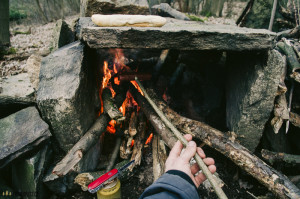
(138, 141)
(126, 146)
(273, 157)
(159, 156)
(110, 107)
(133, 124)
(129, 76)
(81, 147)
(278, 183)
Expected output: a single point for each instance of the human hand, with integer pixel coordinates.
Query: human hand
(181, 161)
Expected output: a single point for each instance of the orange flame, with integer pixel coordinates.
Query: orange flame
(117, 81)
(135, 84)
(111, 127)
(149, 139)
(132, 143)
(106, 75)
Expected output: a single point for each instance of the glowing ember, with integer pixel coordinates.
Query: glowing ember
(111, 127)
(106, 75)
(149, 139)
(132, 143)
(117, 81)
(137, 87)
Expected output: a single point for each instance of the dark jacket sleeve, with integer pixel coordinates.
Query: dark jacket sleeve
(173, 184)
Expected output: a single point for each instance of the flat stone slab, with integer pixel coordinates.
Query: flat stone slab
(177, 34)
(20, 133)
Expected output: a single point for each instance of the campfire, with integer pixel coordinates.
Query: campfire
(130, 123)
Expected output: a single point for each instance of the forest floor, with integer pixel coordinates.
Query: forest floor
(25, 41)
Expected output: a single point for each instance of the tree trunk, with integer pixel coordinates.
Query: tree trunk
(4, 21)
(41, 11)
(213, 7)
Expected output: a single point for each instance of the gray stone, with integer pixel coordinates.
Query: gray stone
(20, 133)
(90, 7)
(32, 67)
(67, 94)
(252, 84)
(62, 34)
(18, 86)
(165, 10)
(16, 93)
(178, 34)
(27, 174)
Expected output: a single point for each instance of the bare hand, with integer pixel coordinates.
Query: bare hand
(181, 161)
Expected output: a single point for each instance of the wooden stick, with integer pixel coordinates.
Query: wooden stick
(272, 15)
(82, 146)
(180, 137)
(273, 157)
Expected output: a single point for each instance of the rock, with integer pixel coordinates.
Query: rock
(67, 95)
(178, 34)
(33, 69)
(62, 185)
(16, 93)
(252, 84)
(62, 34)
(21, 132)
(90, 7)
(27, 174)
(165, 10)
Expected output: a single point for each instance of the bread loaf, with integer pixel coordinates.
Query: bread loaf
(128, 20)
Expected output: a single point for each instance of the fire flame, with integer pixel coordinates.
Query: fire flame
(111, 127)
(132, 143)
(108, 73)
(149, 139)
(135, 84)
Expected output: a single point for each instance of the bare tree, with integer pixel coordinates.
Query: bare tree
(42, 13)
(4, 21)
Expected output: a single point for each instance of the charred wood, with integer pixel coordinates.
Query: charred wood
(89, 139)
(278, 183)
(159, 64)
(127, 77)
(133, 124)
(139, 141)
(114, 154)
(274, 157)
(110, 107)
(126, 148)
